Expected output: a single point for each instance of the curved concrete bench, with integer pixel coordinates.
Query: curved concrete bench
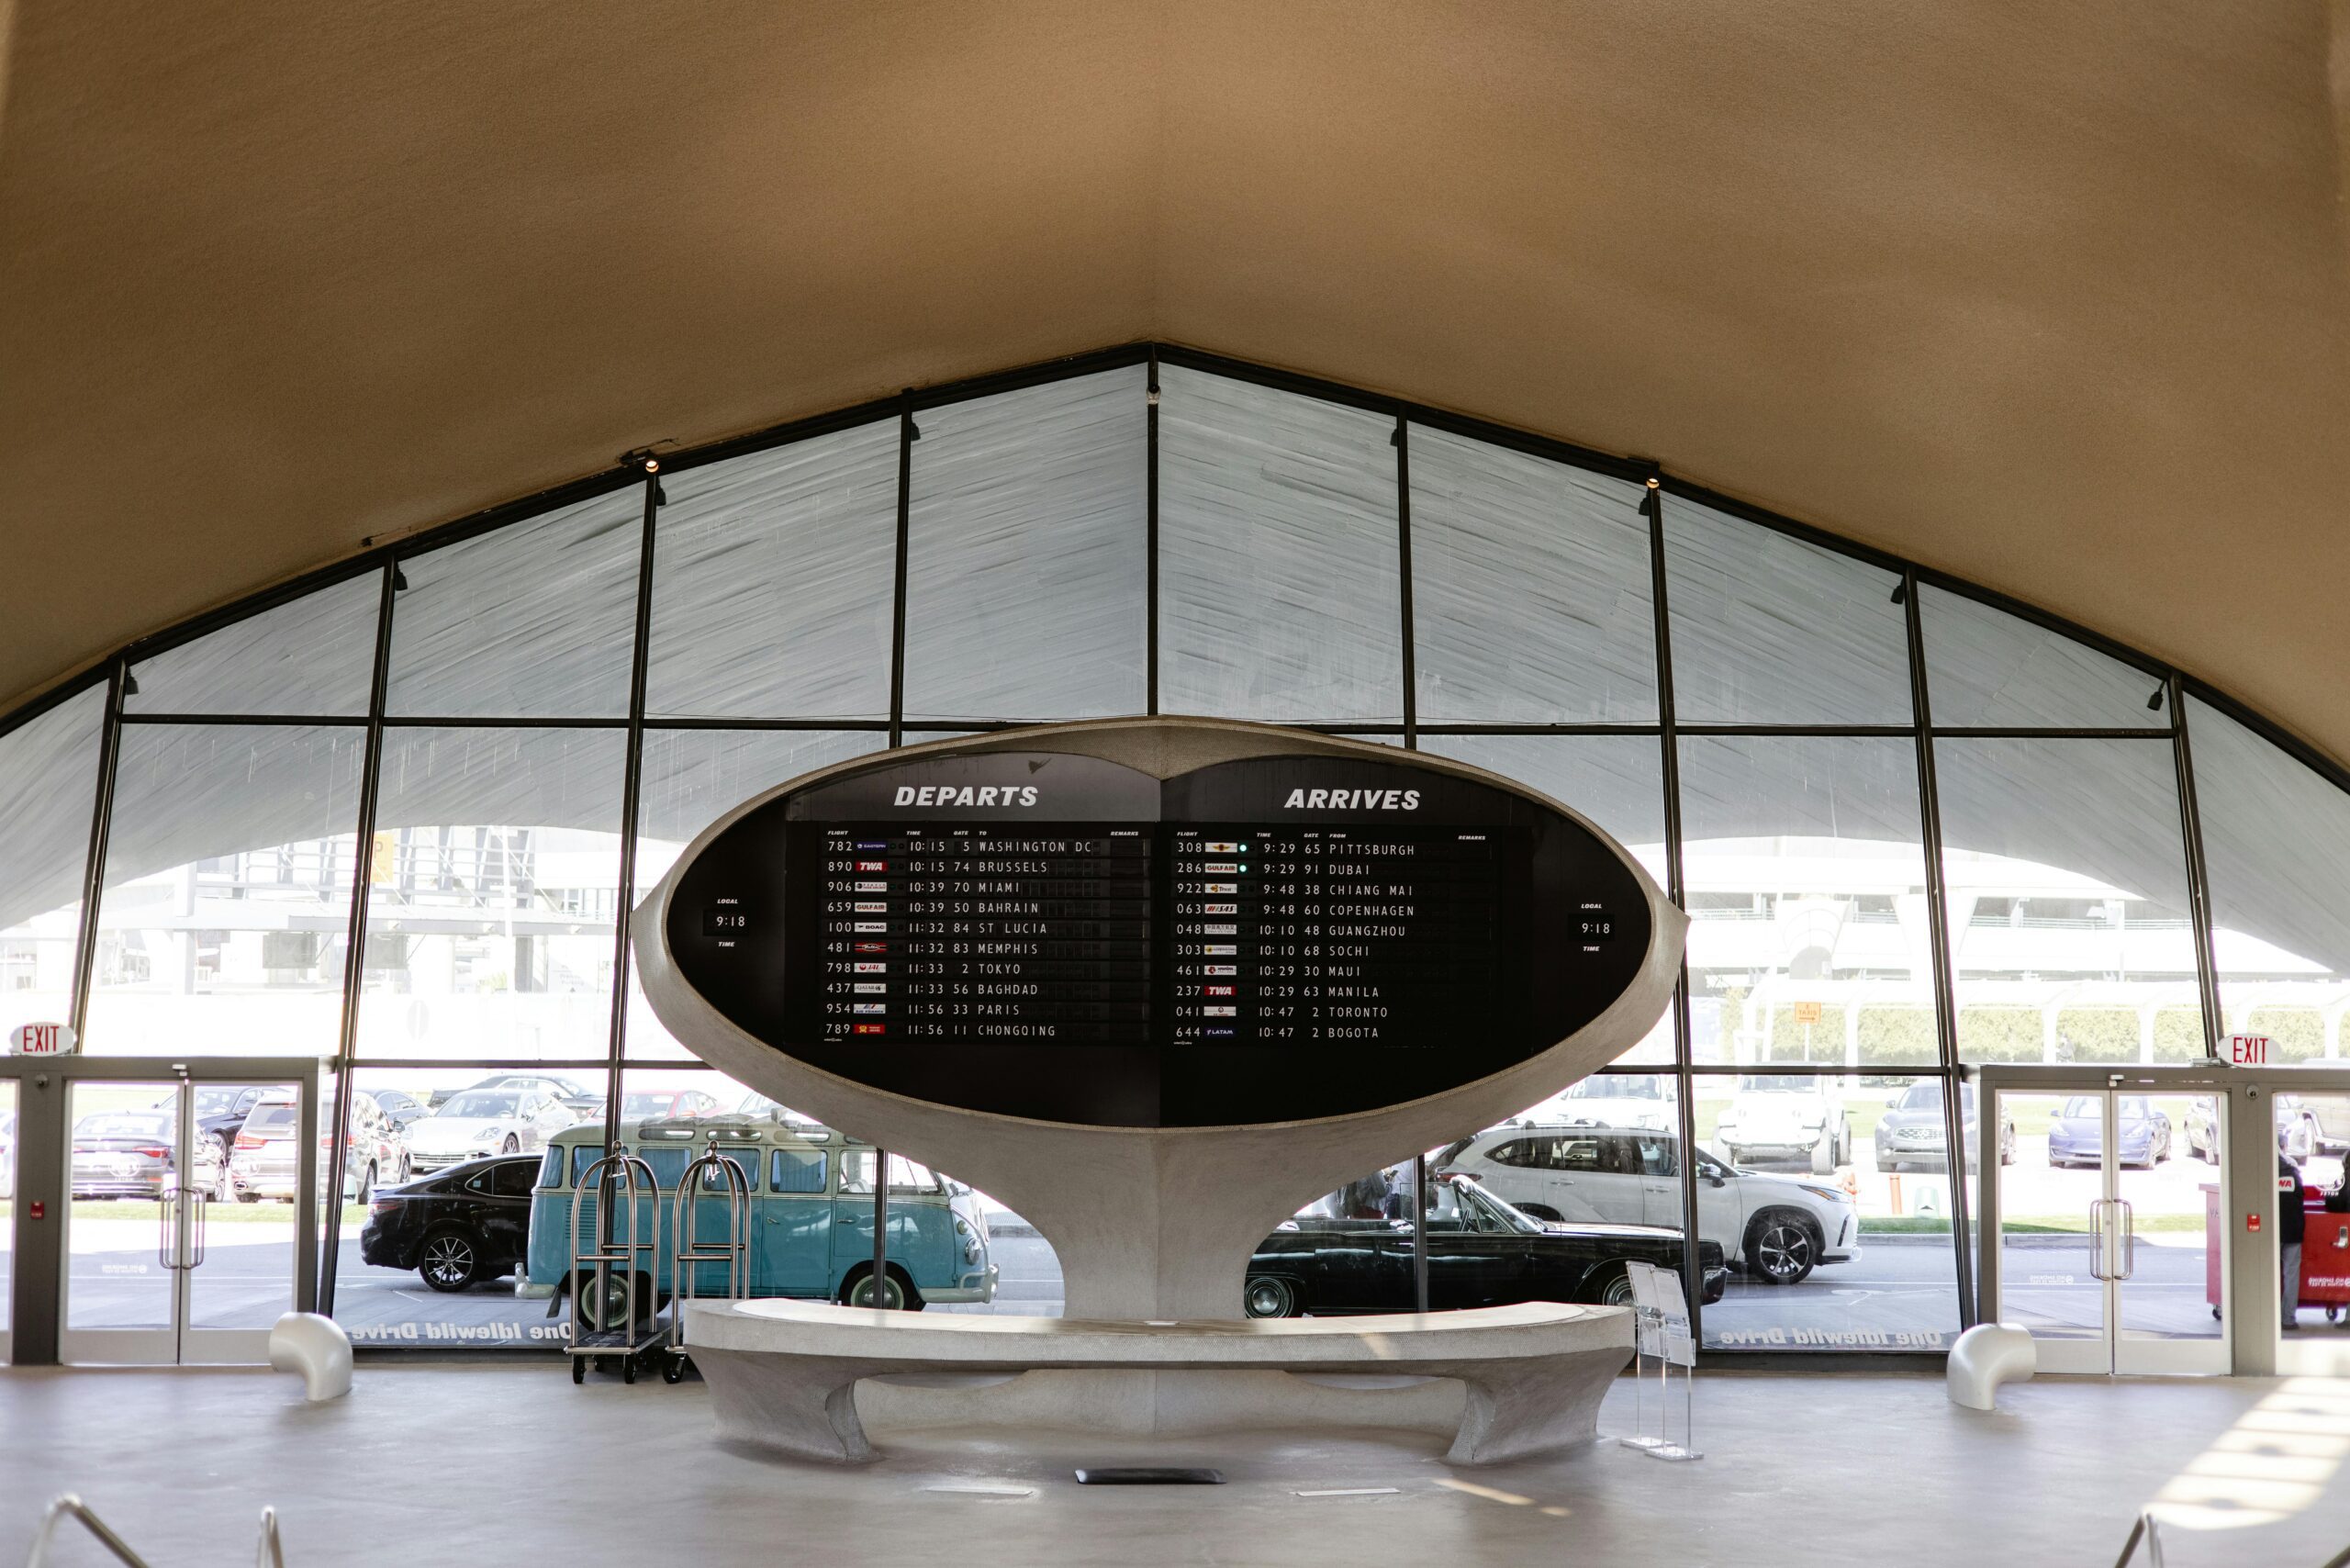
(783, 1375)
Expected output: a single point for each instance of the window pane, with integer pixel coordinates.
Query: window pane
(772, 579)
(2276, 843)
(535, 621)
(316, 655)
(227, 907)
(2068, 916)
(495, 881)
(1027, 553)
(49, 780)
(1615, 781)
(1872, 1228)
(1767, 629)
(691, 779)
(1530, 595)
(1279, 587)
(1986, 666)
(443, 1116)
(1805, 870)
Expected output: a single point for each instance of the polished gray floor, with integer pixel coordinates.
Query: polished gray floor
(498, 1463)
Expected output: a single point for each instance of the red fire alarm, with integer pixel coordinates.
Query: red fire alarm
(40, 1209)
(2252, 1222)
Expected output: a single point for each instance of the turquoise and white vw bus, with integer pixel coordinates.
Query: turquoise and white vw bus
(810, 1219)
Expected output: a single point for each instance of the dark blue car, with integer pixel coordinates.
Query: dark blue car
(2077, 1136)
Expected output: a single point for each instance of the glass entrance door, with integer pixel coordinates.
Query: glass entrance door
(2112, 1248)
(182, 1228)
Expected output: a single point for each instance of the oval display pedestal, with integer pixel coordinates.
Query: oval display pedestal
(1004, 956)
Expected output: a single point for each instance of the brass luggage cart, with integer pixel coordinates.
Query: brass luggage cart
(617, 1176)
(719, 1174)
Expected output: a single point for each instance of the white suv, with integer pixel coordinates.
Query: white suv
(1778, 1227)
(1611, 1100)
(1786, 1115)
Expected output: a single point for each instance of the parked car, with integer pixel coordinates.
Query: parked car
(2329, 1118)
(664, 1104)
(402, 1107)
(2297, 1130)
(468, 1223)
(1778, 1228)
(569, 1093)
(265, 1162)
(812, 1217)
(483, 1121)
(221, 1110)
(1611, 1100)
(2077, 1134)
(132, 1154)
(1481, 1252)
(1911, 1131)
(1786, 1115)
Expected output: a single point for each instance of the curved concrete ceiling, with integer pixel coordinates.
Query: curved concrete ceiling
(2051, 297)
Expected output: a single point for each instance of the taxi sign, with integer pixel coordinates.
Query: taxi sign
(41, 1040)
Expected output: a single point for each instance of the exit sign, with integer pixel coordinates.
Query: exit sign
(2248, 1050)
(41, 1040)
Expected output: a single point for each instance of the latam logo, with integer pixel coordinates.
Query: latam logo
(966, 795)
(1353, 801)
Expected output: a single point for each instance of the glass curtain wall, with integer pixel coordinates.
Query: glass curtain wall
(1915, 828)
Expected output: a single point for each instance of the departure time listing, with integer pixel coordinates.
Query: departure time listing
(1027, 933)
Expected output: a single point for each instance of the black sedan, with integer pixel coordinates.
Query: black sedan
(456, 1228)
(1481, 1252)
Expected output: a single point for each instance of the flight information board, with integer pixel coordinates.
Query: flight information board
(1065, 938)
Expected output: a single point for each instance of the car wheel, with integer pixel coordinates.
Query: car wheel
(512, 1144)
(407, 1172)
(1267, 1296)
(608, 1308)
(1782, 1248)
(896, 1295)
(1614, 1287)
(2008, 1146)
(222, 1188)
(247, 1196)
(367, 1186)
(451, 1261)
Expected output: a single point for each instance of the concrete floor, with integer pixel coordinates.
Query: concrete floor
(494, 1463)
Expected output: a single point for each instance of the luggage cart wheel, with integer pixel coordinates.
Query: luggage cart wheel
(2332, 1314)
(578, 1369)
(675, 1371)
(628, 1368)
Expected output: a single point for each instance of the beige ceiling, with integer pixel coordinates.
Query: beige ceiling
(2053, 297)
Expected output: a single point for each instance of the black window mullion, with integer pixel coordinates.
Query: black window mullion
(625, 895)
(2198, 886)
(1150, 540)
(1930, 822)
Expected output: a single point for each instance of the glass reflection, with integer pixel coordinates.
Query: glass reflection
(226, 918)
(49, 771)
(495, 882)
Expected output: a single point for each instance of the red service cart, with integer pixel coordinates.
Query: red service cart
(2325, 1253)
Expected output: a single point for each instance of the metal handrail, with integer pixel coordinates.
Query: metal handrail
(2145, 1530)
(268, 1554)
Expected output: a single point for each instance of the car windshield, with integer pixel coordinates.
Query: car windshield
(1776, 1083)
(1921, 1097)
(276, 1117)
(1466, 1203)
(2080, 1106)
(481, 1104)
(123, 1125)
(1615, 1086)
(213, 1101)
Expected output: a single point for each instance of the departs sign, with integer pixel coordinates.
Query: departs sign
(41, 1040)
(2248, 1050)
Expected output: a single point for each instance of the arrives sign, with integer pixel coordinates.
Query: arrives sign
(41, 1040)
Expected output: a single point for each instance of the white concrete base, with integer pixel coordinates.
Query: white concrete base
(783, 1375)
(316, 1346)
(1987, 1356)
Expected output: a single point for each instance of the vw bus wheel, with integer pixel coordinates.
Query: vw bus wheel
(893, 1295)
